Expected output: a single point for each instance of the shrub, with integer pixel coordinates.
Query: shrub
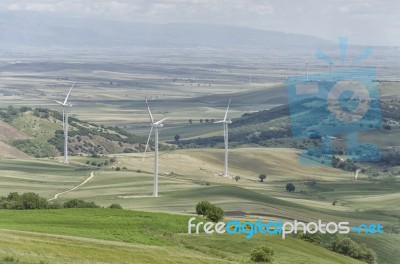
(290, 187)
(311, 238)
(202, 207)
(26, 201)
(115, 206)
(262, 177)
(262, 254)
(237, 178)
(117, 168)
(348, 247)
(33, 201)
(77, 203)
(215, 213)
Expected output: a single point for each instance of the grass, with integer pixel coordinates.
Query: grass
(364, 201)
(109, 224)
(119, 236)
(38, 128)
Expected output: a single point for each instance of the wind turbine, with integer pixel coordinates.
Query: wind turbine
(226, 122)
(64, 105)
(154, 125)
(307, 70)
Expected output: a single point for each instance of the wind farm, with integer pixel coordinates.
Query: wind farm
(170, 118)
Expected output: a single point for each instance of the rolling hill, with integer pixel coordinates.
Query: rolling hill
(120, 236)
(39, 133)
(35, 29)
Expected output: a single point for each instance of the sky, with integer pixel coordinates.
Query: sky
(366, 22)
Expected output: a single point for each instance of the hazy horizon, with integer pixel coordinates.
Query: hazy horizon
(368, 22)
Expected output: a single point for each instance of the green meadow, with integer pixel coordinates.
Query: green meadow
(120, 236)
(187, 177)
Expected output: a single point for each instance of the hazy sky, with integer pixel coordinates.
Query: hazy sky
(366, 22)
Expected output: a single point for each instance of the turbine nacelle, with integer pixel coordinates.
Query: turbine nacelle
(223, 121)
(157, 125)
(154, 124)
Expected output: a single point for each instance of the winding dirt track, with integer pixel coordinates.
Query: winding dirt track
(72, 189)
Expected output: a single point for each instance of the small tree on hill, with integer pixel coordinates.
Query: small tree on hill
(262, 177)
(202, 207)
(262, 254)
(215, 213)
(237, 178)
(290, 187)
(177, 137)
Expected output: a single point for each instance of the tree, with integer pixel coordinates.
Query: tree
(202, 207)
(262, 254)
(201, 121)
(237, 178)
(77, 203)
(262, 177)
(33, 201)
(290, 187)
(115, 206)
(311, 238)
(215, 213)
(190, 121)
(348, 247)
(177, 137)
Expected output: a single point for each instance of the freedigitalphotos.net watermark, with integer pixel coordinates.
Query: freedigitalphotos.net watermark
(280, 227)
(343, 101)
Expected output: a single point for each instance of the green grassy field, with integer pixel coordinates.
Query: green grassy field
(120, 236)
(189, 176)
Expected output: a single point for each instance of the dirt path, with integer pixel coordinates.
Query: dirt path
(76, 187)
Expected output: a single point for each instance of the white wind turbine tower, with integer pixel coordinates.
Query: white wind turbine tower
(154, 125)
(64, 105)
(307, 70)
(226, 122)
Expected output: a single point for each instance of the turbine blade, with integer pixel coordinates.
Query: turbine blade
(161, 121)
(220, 121)
(66, 98)
(147, 144)
(58, 102)
(151, 116)
(227, 109)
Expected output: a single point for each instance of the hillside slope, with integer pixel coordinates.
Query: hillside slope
(120, 236)
(39, 133)
(7, 133)
(6, 151)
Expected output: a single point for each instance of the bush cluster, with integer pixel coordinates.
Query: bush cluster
(26, 201)
(262, 254)
(31, 201)
(211, 211)
(348, 247)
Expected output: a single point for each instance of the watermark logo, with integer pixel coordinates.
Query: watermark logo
(280, 227)
(340, 103)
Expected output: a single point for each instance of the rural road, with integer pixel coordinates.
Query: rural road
(76, 187)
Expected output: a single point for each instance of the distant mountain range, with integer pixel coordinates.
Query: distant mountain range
(34, 29)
